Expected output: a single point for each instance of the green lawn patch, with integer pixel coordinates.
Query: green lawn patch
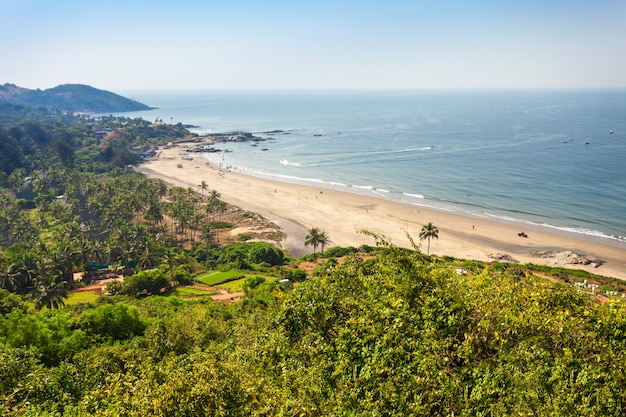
(219, 277)
(81, 297)
(233, 286)
(231, 280)
(237, 285)
(191, 292)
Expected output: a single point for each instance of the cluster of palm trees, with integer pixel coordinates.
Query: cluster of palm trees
(42, 273)
(315, 238)
(191, 214)
(82, 221)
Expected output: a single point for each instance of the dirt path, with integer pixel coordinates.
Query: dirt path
(226, 297)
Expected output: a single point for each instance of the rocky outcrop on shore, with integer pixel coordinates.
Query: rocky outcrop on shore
(559, 258)
(205, 142)
(240, 136)
(503, 257)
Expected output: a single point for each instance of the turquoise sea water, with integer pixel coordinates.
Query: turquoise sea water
(541, 157)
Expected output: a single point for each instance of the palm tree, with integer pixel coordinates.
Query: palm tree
(64, 257)
(203, 187)
(9, 276)
(150, 254)
(323, 240)
(208, 209)
(23, 268)
(206, 230)
(429, 231)
(213, 202)
(196, 217)
(215, 195)
(315, 238)
(49, 293)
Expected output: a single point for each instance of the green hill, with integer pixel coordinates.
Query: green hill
(71, 97)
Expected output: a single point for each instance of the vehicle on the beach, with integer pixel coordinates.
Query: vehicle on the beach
(522, 234)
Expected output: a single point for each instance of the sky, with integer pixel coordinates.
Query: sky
(139, 45)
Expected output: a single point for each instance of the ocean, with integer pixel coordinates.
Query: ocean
(556, 159)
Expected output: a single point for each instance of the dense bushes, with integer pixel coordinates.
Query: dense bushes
(261, 252)
(293, 274)
(390, 335)
(241, 255)
(145, 282)
(337, 252)
(112, 322)
(9, 301)
(402, 338)
(50, 335)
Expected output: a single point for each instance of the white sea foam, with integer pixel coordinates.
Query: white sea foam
(505, 218)
(584, 231)
(414, 195)
(291, 177)
(293, 164)
(567, 229)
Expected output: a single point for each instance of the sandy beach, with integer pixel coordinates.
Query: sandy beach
(297, 208)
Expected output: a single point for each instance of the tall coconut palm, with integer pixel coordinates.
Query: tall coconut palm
(315, 238)
(203, 187)
(9, 276)
(206, 232)
(213, 202)
(196, 217)
(154, 213)
(428, 232)
(24, 267)
(49, 293)
(323, 240)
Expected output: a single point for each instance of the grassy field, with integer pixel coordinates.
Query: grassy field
(219, 277)
(237, 285)
(233, 286)
(192, 292)
(81, 297)
(231, 280)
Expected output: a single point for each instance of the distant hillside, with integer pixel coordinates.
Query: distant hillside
(71, 97)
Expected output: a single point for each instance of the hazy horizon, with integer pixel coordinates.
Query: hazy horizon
(279, 45)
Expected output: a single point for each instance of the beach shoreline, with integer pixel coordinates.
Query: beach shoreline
(343, 214)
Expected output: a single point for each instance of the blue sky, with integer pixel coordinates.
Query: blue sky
(186, 45)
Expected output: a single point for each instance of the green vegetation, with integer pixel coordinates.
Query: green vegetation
(191, 292)
(428, 232)
(236, 285)
(391, 335)
(371, 331)
(242, 255)
(315, 238)
(82, 297)
(71, 97)
(220, 277)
